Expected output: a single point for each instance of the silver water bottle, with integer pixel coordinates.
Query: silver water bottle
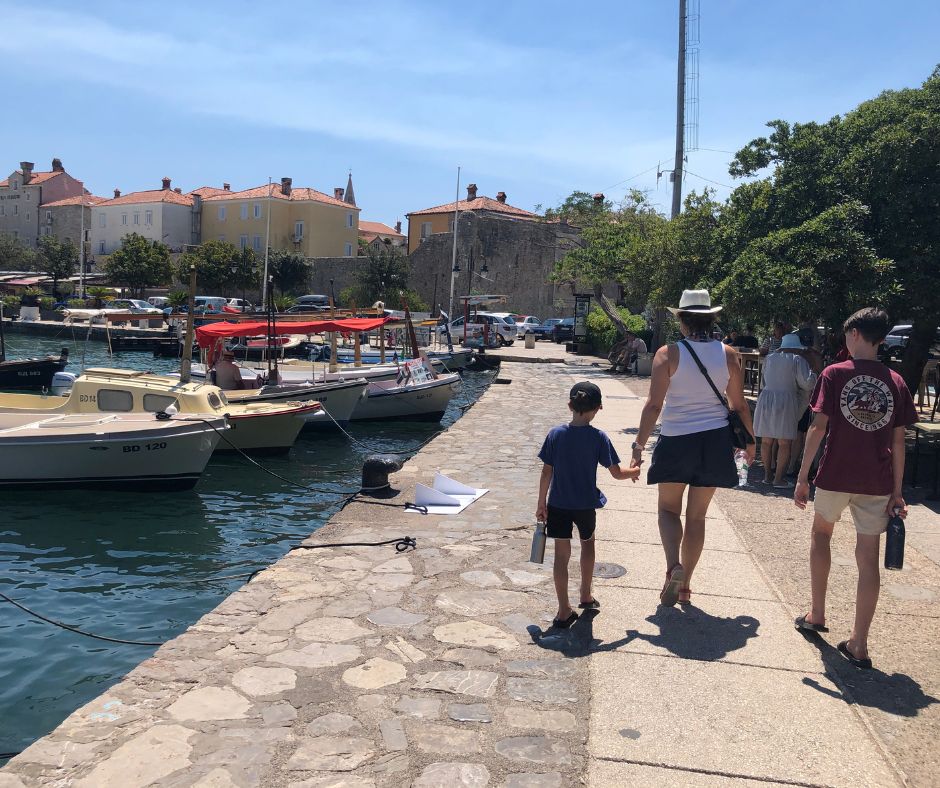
(537, 556)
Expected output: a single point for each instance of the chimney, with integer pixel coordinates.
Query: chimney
(501, 197)
(226, 187)
(338, 192)
(117, 192)
(178, 190)
(27, 168)
(285, 186)
(472, 191)
(598, 198)
(57, 165)
(398, 227)
(166, 184)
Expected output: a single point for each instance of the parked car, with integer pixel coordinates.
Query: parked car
(302, 309)
(160, 302)
(209, 303)
(505, 328)
(133, 305)
(313, 300)
(241, 305)
(898, 337)
(563, 330)
(525, 323)
(544, 329)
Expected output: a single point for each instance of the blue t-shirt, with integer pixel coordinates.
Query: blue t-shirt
(574, 454)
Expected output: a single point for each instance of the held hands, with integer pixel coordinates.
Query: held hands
(637, 459)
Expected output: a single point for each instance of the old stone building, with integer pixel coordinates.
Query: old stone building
(378, 236)
(63, 219)
(23, 193)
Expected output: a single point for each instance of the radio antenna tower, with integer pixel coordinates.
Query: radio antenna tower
(686, 94)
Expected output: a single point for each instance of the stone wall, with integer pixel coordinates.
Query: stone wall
(342, 270)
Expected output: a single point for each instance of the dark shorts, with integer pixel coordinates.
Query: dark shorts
(805, 420)
(560, 522)
(699, 459)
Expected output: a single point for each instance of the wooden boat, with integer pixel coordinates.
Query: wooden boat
(128, 451)
(389, 400)
(28, 373)
(255, 427)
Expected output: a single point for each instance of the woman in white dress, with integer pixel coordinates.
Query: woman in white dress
(788, 382)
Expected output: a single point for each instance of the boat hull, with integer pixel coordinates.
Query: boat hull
(127, 452)
(416, 402)
(30, 374)
(267, 433)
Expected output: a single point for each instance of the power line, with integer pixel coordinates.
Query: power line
(702, 177)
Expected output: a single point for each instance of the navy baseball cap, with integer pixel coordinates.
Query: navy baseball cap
(585, 393)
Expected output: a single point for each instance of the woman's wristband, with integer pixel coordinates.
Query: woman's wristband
(635, 445)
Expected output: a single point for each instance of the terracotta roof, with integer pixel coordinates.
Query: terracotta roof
(262, 192)
(90, 199)
(209, 191)
(154, 195)
(479, 204)
(38, 177)
(377, 228)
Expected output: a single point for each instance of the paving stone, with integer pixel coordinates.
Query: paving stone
(217, 778)
(10, 781)
(453, 775)
(548, 780)
(473, 712)
(286, 617)
(544, 719)
(254, 642)
(389, 582)
(331, 754)
(519, 577)
(541, 690)
(316, 655)
(443, 739)
(257, 681)
(210, 703)
(393, 763)
(330, 629)
(475, 633)
(520, 623)
(535, 749)
(471, 603)
(401, 564)
(422, 708)
(332, 723)
(348, 606)
(482, 579)
(461, 548)
(468, 657)
(338, 781)
(148, 757)
(278, 714)
(395, 617)
(393, 734)
(405, 651)
(371, 702)
(63, 755)
(375, 673)
(548, 668)
(479, 683)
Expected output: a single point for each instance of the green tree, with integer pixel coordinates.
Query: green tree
(384, 276)
(139, 263)
(289, 271)
(214, 261)
(15, 255)
(57, 259)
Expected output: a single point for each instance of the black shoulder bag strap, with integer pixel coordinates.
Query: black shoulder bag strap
(704, 371)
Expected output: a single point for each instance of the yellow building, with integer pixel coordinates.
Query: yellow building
(440, 218)
(303, 220)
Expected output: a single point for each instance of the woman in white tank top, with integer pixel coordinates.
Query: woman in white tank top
(694, 449)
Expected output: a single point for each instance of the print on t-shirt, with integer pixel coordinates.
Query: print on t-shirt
(867, 403)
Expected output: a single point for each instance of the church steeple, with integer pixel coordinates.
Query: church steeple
(350, 196)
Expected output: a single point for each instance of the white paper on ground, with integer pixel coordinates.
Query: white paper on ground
(447, 496)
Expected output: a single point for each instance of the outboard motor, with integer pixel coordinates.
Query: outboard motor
(62, 383)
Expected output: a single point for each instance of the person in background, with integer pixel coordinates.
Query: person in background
(227, 376)
(788, 381)
(747, 340)
(808, 333)
(732, 338)
(773, 342)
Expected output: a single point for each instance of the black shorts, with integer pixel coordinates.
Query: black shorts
(560, 521)
(805, 419)
(699, 459)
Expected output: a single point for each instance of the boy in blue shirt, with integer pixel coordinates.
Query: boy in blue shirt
(568, 493)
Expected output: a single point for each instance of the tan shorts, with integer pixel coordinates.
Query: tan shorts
(868, 511)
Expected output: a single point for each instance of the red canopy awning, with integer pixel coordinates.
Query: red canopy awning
(208, 335)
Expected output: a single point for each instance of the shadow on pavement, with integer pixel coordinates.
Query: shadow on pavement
(690, 633)
(896, 693)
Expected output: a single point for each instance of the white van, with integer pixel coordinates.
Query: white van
(210, 303)
(158, 301)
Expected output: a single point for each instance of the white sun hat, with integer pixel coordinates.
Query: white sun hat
(695, 301)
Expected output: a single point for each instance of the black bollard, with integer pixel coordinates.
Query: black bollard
(375, 471)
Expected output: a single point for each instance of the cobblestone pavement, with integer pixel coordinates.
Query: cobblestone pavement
(362, 667)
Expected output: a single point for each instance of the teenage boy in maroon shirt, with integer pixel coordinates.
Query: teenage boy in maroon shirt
(866, 407)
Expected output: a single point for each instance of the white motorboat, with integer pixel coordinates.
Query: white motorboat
(427, 401)
(131, 451)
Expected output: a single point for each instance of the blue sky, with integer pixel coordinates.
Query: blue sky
(536, 99)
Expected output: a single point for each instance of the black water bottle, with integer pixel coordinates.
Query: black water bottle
(894, 542)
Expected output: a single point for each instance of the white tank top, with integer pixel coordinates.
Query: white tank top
(691, 405)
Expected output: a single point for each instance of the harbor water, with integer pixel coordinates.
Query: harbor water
(135, 566)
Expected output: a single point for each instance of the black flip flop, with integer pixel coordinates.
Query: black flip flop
(861, 664)
(809, 626)
(566, 623)
(592, 605)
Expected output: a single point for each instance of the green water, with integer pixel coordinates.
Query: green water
(127, 564)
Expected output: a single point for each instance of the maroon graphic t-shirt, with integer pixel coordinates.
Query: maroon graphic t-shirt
(865, 401)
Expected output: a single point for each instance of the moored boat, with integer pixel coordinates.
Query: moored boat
(425, 401)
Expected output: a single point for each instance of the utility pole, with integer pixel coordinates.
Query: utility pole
(453, 256)
(680, 116)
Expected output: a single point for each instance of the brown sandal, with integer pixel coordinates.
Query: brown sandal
(687, 593)
(670, 593)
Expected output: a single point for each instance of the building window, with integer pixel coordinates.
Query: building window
(450, 224)
(48, 216)
(349, 219)
(3, 210)
(243, 241)
(27, 216)
(257, 210)
(348, 250)
(101, 247)
(46, 230)
(27, 195)
(221, 213)
(245, 211)
(257, 244)
(148, 217)
(136, 217)
(16, 210)
(102, 222)
(425, 230)
(298, 231)
(123, 218)
(16, 185)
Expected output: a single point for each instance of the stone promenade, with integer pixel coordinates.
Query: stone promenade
(362, 667)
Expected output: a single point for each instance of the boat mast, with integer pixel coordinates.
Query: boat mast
(3, 346)
(187, 360)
